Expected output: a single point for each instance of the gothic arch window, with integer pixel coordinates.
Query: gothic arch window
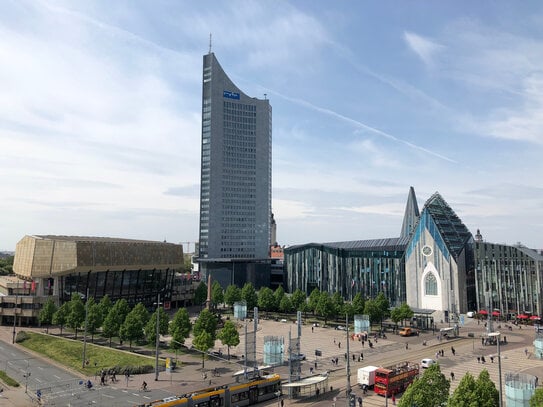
(430, 284)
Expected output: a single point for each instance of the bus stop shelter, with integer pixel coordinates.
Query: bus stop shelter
(307, 387)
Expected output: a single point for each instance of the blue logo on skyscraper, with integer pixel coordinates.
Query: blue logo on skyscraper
(230, 95)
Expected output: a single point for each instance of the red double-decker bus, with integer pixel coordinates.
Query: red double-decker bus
(395, 379)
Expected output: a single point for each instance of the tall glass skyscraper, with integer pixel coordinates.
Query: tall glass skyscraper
(235, 188)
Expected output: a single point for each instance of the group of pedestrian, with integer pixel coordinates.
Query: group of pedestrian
(335, 361)
(481, 359)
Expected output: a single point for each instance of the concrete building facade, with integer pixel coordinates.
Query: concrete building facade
(235, 188)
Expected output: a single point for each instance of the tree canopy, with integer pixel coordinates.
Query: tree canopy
(150, 327)
(401, 313)
(298, 299)
(266, 299)
(206, 322)
(115, 318)
(200, 294)
(76, 315)
(217, 294)
(132, 329)
(429, 390)
(248, 293)
(180, 328)
(46, 314)
(203, 342)
(229, 335)
(537, 399)
(232, 295)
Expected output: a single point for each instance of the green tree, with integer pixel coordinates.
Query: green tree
(229, 335)
(371, 308)
(358, 304)
(180, 328)
(349, 310)
(465, 393)
(279, 294)
(200, 294)
(429, 390)
(486, 390)
(114, 319)
(339, 303)
(383, 304)
(46, 313)
(6, 265)
(150, 327)
(76, 317)
(298, 298)
(105, 306)
(206, 322)
(537, 399)
(217, 294)
(232, 295)
(325, 306)
(132, 329)
(266, 299)
(248, 294)
(94, 317)
(61, 315)
(286, 305)
(313, 300)
(401, 313)
(203, 342)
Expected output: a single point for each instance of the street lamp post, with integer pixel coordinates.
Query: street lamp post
(497, 335)
(157, 335)
(85, 334)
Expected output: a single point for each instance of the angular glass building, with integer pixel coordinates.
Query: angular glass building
(235, 190)
(435, 265)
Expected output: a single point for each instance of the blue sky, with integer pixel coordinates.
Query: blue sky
(100, 114)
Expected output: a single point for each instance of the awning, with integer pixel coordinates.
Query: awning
(495, 313)
(308, 381)
(534, 318)
(483, 312)
(523, 316)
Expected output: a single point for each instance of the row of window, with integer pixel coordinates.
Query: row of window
(239, 106)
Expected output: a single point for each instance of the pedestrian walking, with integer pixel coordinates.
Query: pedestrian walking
(312, 328)
(478, 359)
(491, 359)
(483, 360)
(406, 346)
(526, 351)
(393, 400)
(453, 351)
(361, 356)
(452, 376)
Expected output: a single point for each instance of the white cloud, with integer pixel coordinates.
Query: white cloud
(423, 47)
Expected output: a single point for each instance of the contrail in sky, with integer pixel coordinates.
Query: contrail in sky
(359, 124)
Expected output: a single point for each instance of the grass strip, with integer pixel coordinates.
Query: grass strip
(8, 380)
(69, 352)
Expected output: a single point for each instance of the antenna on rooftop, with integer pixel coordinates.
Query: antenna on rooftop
(210, 43)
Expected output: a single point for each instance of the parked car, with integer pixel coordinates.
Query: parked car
(470, 314)
(408, 332)
(426, 363)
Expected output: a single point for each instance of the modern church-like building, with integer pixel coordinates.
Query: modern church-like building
(436, 266)
(235, 190)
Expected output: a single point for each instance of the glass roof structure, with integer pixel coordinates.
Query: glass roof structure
(454, 233)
